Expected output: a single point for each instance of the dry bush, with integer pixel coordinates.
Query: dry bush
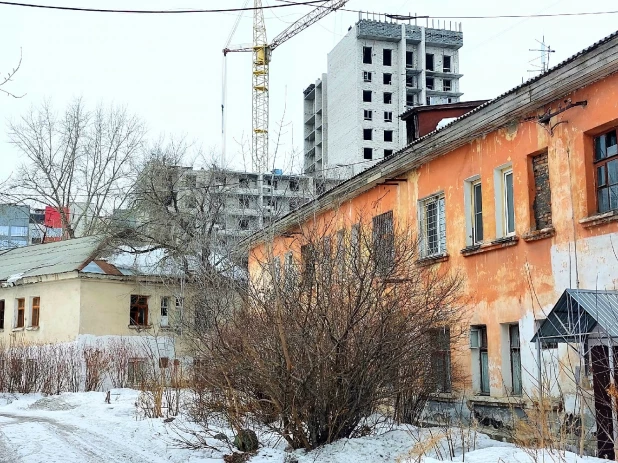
(322, 343)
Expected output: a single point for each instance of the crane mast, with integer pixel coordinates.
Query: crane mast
(261, 58)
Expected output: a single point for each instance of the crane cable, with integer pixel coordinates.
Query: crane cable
(224, 83)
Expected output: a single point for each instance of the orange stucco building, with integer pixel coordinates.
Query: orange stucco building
(521, 196)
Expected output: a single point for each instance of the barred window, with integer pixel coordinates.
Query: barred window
(432, 226)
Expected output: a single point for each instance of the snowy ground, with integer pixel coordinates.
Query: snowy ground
(81, 428)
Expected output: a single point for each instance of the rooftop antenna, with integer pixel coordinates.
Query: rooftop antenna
(545, 51)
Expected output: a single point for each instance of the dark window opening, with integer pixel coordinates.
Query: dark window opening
(429, 61)
(388, 98)
(243, 201)
(138, 311)
(388, 135)
(367, 114)
(387, 79)
(387, 153)
(606, 167)
(367, 134)
(368, 153)
(244, 183)
(387, 57)
(447, 85)
(294, 185)
(388, 116)
(441, 359)
(429, 83)
(427, 101)
(478, 340)
(367, 96)
(446, 64)
(366, 76)
(243, 224)
(384, 243)
(367, 55)
(409, 59)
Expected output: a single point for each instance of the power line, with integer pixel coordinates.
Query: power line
(505, 16)
(101, 10)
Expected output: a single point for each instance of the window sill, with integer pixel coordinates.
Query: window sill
(430, 260)
(21, 328)
(599, 219)
(486, 247)
(32, 328)
(498, 401)
(535, 235)
(140, 327)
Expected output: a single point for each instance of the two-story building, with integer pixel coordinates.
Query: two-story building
(520, 195)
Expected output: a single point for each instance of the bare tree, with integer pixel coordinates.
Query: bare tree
(8, 77)
(76, 159)
(325, 337)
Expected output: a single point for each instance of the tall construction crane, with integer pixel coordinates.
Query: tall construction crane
(262, 52)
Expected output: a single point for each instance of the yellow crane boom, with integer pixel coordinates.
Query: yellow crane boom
(262, 50)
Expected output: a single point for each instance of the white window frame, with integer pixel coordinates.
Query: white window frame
(469, 207)
(165, 318)
(501, 201)
(367, 76)
(438, 198)
(367, 114)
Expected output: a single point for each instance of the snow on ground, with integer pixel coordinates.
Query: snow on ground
(81, 428)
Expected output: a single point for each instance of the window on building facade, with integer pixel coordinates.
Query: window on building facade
(429, 83)
(446, 63)
(541, 204)
(366, 76)
(367, 55)
(447, 85)
(367, 153)
(243, 224)
(367, 96)
(367, 114)
(367, 134)
(478, 344)
(383, 242)
(388, 97)
(136, 371)
(388, 135)
(387, 79)
(243, 201)
(432, 226)
(387, 57)
(21, 313)
(387, 153)
(1, 314)
(294, 184)
(429, 61)
(441, 359)
(19, 231)
(138, 312)
(388, 116)
(515, 357)
(508, 202)
(244, 182)
(165, 307)
(307, 254)
(409, 59)
(606, 167)
(476, 211)
(35, 312)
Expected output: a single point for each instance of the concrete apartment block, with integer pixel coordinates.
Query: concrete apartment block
(315, 126)
(375, 73)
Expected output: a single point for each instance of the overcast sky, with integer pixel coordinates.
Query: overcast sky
(167, 68)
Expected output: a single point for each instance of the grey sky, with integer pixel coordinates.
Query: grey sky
(167, 68)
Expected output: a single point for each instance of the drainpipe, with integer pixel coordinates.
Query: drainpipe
(421, 61)
(402, 90)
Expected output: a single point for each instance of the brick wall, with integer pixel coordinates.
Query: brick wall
(542, 192)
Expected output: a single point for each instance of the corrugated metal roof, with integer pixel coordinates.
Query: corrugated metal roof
(47, 259)
(578, 312)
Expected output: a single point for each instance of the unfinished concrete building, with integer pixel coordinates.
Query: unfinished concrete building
(375, 73)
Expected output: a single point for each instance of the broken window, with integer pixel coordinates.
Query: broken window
(429, 83)
(36, 306)
(441, 359)
(243, 201)
(366, 76)
(367, 114)
(388, 135)
(387, 153)
(410, 100)
(21, 313)
(367, 55)
(165, 306)
(429, 61)
(368, 153)
(606, 166)
(138, 312)
(515, 355)
(367, 134)
(409, 59)
(447, 85)
(388, 116)
(2, 314)
(478, 344)
(243, 224)
(541, 205)
(136, 371)
(383, 243)
(433, 227)
(387, 79)
(446, 64)
(244, 182)
(387, 57)
(388, 98)
(367, 96)
(294, 184)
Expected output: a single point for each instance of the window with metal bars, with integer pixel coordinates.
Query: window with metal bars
(384, 242)
(432, 226)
